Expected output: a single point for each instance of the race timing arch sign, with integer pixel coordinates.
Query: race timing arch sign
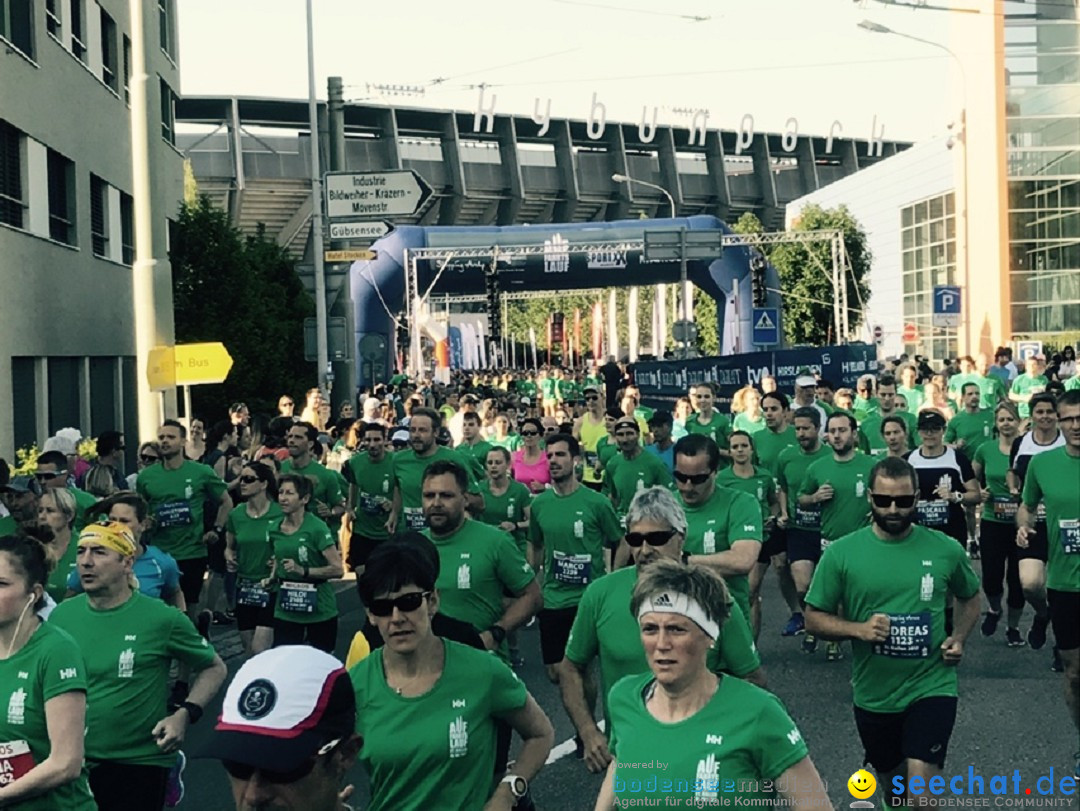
(663, 382)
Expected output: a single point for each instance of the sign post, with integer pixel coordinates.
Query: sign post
(374, 195)
(766, 326)
(946, 306)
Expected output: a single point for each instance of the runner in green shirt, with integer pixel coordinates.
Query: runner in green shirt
(1030, 383)
(967, 374)
(506, 501)
(548, 386)
(865, 404)
(750, 418)
(632, 469)
(723, 525)
(327, 500)
(473, 448)
(56, 512)
(503, 438)
(778, 434)
(748, 478)
(42, 690)
(52, 473)
(407, 511)
(707, 420)
(992, 387)
(371, 495)
(479, 563)
(872, 439)
(892, 580)
(972, 426)
(909, 388)
(129, 641)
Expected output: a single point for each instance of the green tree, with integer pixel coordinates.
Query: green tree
(806, 276)
(243, 292)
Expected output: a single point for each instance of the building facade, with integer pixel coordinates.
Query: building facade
(67, 346)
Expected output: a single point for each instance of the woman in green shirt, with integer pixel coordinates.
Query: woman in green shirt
(718, 737)
(305, 559)
(746, 406)
(248, 553)
(997, 532)
(43, 688)
(56, 512)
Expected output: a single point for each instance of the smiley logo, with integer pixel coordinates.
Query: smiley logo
(861, 784)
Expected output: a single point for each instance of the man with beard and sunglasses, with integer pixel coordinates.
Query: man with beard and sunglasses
(604, 627)
(892, 580)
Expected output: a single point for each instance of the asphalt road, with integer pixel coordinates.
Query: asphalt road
(1011, 715)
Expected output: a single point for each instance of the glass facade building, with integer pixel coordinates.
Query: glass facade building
(1042, 111)
(928, 258)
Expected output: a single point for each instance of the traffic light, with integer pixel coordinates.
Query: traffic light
(757, 278)
(491, 289)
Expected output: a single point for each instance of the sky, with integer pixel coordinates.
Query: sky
(774, 60)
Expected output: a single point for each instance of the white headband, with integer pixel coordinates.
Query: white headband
(671, 602)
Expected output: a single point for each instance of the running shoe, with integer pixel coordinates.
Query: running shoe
(221, 618)
(973, 549)
(174, 788)
(795, 625)
(203, 622)
(990, 622)
(1056, 665)
(809, 643)
(1013, 638)
(1037, 632)
(833, 652)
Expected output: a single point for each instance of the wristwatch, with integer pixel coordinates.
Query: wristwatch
(519, 786)
(219, 531)
(498, 633)
(194, 711)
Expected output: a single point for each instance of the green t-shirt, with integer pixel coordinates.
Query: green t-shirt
(769, 444)
(548, 386)
(719, 428)
(956, 384)
(409, 476)
(8, 526)
(974, 429)
(1001, 508)
(374, 483)
(711, 527)
(1073, 383)
(302, 599)
(744, 423)
(605, 627)
(508, 506)
(48, 665)
(252, 537)
(1028, 384)
(870, 432)
(176, 499)
(476, 456)
(477, 564)
(527, 388)
(991, 389)
(908, 580)
(759, 486)
(565, 389)
(128, 651)
(725, 754)
(606, 450)
(83, 501)
(511, 442)
(326, 484)
(58, 578)
(624, 477)
(849, 508)
(428, 768)
(791, 470)
(864, 407)
(1054, 479)
(913, 397)
(573, 530)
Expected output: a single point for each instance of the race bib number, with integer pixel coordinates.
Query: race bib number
(1069, 532)
(1004, 508)
(173, 514)
(250, 593)
(573, 570)
(909, 637)
(807, 517)
(414, 518)
(933, 513)
(371, 504)
(298, 598)
(591, 458)
(15, 761)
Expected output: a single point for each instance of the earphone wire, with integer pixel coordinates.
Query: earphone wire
(18, 625)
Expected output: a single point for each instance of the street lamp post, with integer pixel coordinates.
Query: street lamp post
(961, 139)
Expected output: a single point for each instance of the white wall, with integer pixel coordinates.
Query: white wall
(875, 196)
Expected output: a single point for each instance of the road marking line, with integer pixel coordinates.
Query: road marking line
(565, 748)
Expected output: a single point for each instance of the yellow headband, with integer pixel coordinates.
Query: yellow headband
(113, 535)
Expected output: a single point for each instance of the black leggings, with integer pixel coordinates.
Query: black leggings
(321, 635)
(127, 787)
(1000, 561)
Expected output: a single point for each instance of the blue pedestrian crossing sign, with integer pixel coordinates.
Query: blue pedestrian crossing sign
(946, 305)
(766, 326)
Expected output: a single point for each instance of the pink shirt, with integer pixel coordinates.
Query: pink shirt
(526, 473)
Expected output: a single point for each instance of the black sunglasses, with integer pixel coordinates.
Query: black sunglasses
(143, 457)
(530, 433)
(244, 771)
(406, 602)
(49, 476)
(592, 397)
(884, 502)
(249, 479)
(658, 538)
(693, 478)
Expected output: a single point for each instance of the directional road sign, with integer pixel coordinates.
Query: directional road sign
(946, 305)
(667, 245)
(187, 365)
(766, 326)
(348, 256)
(360, 230)
(374, 195)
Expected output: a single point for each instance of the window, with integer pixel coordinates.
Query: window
(928, 253)
(127, 229)
(61, 198)
(168, 124)
(78, 31)
(165, 24)
(127, 69)
(99, 216)
(109, 66)
(11, 182)
(52, 17)
(16, 24)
